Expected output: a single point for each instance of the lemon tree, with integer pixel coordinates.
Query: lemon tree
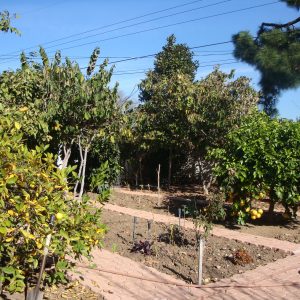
(260, 160)
(32, 190)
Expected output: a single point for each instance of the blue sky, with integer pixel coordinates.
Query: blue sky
(42, 22)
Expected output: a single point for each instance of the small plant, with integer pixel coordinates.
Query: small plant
(203, 219)
(173, 236)
(204, 216)
(114, 248)
(142, 247)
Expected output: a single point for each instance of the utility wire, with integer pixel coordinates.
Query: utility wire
(139, 23)
(173, 24)
(110, 25)
(202, 66)
(169, 25)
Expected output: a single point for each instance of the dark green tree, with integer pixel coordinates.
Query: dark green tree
(275, 53)
(165, 92)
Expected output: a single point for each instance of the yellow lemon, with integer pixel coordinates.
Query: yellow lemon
(59, 216)
(254, 212)
(258, 215)
(23, 109)
(39, 245)
(11, 212)
(247, 209)
(260, 211)
(253, 217)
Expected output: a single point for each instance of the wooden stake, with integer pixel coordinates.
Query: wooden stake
(158, 178)
(179, 216)
(200, 260)
(149, 223)
(133, 229)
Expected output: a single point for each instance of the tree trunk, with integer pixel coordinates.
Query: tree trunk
(83, 172)
(271, 207)
(140, 170)
(80, 170)
(170, 166)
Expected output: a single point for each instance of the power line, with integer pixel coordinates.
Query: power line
(110, 25)
(152, 55)
(202, 66)
(139, 23)
(173, 24)
(170, 25)
(205, 62)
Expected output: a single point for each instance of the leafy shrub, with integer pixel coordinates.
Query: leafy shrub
(260, 159)
(32, 189)
(142, 247)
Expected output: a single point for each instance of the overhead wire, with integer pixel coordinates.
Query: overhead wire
(110, 25)
(171, 25)
(139, 23)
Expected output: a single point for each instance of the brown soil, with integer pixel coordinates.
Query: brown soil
(176, 253)
(274, 227)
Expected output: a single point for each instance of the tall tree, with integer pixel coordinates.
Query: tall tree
(275, 52)
(217, 107)
(165, 92)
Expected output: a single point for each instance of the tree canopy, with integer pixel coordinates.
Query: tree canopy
(275, 52)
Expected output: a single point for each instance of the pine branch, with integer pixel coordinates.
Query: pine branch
(278, 26)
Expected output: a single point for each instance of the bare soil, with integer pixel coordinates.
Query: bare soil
(274, 226)
(175, 251)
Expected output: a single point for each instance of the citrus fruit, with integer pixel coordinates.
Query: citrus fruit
(254, 212)
(59, 216)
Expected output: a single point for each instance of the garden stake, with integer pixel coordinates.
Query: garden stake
(184, 207)
(158, 185)
(179, 217)
(149, 223)
(133, 229)
(200, 260)
(36, 292)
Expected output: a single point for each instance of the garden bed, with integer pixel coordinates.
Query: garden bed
(274, 227)
(175, 253)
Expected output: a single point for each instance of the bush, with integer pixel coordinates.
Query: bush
(32, 189)
(260, 159)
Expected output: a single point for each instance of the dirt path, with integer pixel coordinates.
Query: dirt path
(222, 232)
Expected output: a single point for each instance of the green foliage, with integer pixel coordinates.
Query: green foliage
(32, 190)
(205, 216)
(66, 108)
(175, 58)
(5, 22)
(275, 53)
(218, 104)
(261, 158)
